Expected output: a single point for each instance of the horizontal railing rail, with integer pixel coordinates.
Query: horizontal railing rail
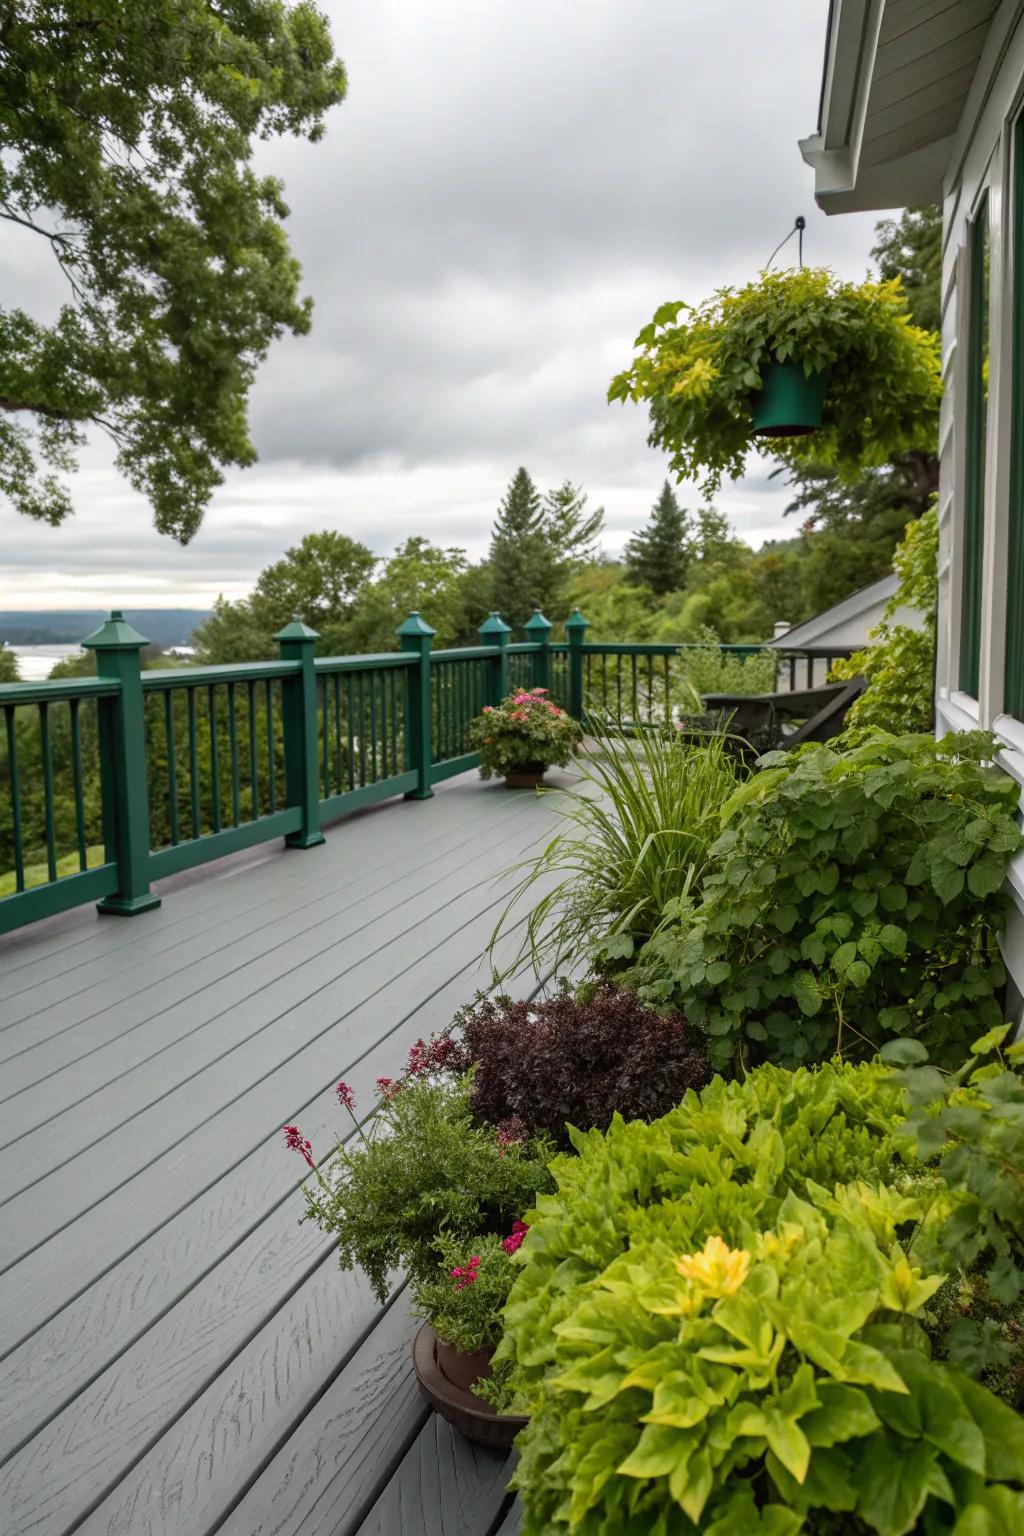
(108, 783)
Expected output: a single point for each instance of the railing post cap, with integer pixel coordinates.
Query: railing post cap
(415, 625)
(297, 630)
(494, 624)
(576, 621)
(538, 621)
(116, 634)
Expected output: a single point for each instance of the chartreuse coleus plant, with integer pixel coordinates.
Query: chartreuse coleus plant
(719, 1330)
(852, 897)
(698, 369)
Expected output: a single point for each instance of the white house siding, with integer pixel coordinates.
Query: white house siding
(981, 162)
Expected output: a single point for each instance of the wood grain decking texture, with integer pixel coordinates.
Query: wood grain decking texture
(178, 1356)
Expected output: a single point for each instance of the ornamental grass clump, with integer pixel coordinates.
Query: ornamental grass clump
(540, 1066)
(633, 838)
(526, 730)
(699, 368)
(723, 1327)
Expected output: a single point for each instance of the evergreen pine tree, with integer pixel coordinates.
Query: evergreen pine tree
(525, 572)
(573, 530)
(658, 555)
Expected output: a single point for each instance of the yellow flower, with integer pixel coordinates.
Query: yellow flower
(717, 1270)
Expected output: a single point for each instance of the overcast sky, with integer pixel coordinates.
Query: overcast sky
(506, 195)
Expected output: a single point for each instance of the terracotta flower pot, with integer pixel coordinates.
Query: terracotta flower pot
(469, 1414)
(463, 1370)
(529, 776)
(790, 404)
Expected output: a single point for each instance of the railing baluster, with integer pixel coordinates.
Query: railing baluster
(635, 703)
(349, 694)
(76, 776)
(254, 770)
(44, 743)
(193, 762)
(339, 776)
(233, 750)
(172, 767)
(324, 706)
(271, 754)
(650, 689)
(12, 769)
(211, 704)
(361, 690)
(792, 673)
(373, 729)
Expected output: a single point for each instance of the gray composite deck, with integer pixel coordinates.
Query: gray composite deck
(178, 1356)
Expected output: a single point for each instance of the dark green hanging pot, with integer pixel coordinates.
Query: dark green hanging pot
(790, 404)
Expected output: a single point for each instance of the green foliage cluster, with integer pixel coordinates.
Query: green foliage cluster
(699, 375)
(526, 729)
(659, 554)
(423, 1174)
(973, 1120)
(467, 1312)
(899, 664)
(722, 1327)
(709, 669)
(853, 896)
(635, 837)
(128, 133)
(8, 666)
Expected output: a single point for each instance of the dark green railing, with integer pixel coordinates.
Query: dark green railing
(112, 782)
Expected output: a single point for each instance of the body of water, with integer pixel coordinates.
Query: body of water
(35, 661)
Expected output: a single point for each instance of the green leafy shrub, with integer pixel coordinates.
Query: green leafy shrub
(899, 665)
(634, 837)
(973, 1121)
(698, 374)
(854, 896)
(423, 1174)
(706, 668)
(719, 1330)
(526, 728)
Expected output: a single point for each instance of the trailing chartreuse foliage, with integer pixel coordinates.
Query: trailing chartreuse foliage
(852, 897)
(128, 132)
(635, 838)
(699, 367)
(899, 664)
(721, 1329)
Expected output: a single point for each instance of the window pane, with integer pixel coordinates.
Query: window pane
(974, 484)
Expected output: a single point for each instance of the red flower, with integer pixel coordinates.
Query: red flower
(387, 1087)
(296, 1142)
(465, 1276)
(513, 1243)
(346, 1098)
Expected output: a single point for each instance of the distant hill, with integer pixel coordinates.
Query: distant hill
(161, 626)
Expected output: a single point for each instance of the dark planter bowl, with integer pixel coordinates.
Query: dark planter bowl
(469, 1414)
(529, 776)
(790, 404)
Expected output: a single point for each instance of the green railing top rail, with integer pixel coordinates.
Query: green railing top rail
(60, 689)
(370, 662)
(159, 678)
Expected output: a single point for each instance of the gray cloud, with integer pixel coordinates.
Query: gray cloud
(505, 197)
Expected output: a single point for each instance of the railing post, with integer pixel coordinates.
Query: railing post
(124, 786)
(538, 629)
(494, 631)
(297, 642)
(576, 627)
(416, 635)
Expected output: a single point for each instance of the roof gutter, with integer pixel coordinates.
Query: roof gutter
(834, 151)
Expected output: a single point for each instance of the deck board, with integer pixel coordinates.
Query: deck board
(179, 1356)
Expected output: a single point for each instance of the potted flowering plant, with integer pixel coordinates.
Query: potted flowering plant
(427, 1187)
(522, 736)
(791, 354)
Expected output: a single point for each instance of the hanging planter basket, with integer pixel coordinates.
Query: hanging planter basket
(790, 404)
(766, 366)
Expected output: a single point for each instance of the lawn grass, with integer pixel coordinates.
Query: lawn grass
(37, 874)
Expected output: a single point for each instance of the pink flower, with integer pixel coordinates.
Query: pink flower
(296, 1142)
(346, 1098)
(538, 690)
(466, 1276)
(387, 1087)
(513, 1243)
(488, 709)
